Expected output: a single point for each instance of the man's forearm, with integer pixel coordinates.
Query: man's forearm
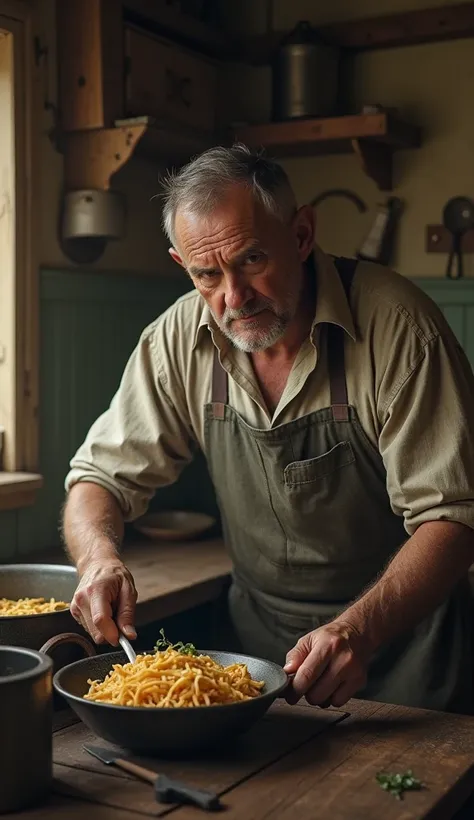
(417, 580)
(93, 524)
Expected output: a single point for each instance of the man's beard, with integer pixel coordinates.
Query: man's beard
(253, 338)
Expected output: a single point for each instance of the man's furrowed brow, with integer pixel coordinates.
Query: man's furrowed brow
(240, 256)
(197, 271)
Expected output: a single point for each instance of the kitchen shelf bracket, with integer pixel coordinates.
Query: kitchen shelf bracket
(92, 157)
(376, 159)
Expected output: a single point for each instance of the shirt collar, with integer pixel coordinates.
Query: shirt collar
(331, 303)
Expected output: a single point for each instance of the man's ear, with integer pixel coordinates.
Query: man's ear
(305, 231)
(175, 255)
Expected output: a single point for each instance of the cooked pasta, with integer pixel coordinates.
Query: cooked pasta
(172, 679)
(30, 606)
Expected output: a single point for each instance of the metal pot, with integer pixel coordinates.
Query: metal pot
(26, 708)
(32, 631)
(26, 727)
(305, 76)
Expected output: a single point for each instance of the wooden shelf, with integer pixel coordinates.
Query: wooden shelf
(93, 156)
(373, 137)
(388, 31)
(167, 142)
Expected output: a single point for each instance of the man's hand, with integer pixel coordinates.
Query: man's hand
(329, 665)
(104, 599)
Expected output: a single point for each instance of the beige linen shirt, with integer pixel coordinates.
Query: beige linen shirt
(407, 377)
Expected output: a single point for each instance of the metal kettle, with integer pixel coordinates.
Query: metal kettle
(305, 74)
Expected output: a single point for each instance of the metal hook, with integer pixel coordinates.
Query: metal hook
(343, 192)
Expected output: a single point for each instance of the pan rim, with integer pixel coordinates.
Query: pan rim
(12, 569)
(35, 615)
(274, 692)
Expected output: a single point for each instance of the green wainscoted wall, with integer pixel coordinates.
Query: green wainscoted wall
(456, 300)
(90, 323)
(89, 326)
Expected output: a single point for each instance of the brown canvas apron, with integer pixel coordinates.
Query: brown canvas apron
(308, 524)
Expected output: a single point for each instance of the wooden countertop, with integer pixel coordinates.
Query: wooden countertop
(170, 576)
(174, 576)
(297, 761)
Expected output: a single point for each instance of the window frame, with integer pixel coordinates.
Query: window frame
(20, 378)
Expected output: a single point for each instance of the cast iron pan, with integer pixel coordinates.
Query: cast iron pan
(168, 731)
(458, 218)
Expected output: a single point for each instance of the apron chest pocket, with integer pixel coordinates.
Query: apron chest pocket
(312, 469)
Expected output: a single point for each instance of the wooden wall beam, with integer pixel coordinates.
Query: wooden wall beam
(387, 31)
(90, 63)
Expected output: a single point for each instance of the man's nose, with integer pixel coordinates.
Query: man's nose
(237, 293)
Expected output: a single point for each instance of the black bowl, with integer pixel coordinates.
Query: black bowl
(168, 731)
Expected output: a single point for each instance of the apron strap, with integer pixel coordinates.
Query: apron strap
(220, 387)
(336, 366)
(336, 338)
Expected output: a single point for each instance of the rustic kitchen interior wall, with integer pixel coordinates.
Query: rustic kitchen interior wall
(95, 314)
(91, 317)
(429, 84)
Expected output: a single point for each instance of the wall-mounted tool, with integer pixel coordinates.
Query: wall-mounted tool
(378, 246)
(458, 219)
(379, 243)
(344, 192)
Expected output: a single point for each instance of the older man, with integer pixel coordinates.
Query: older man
(333, 404)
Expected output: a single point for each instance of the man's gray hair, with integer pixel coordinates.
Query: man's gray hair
(204, 182)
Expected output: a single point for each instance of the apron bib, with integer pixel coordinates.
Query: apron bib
(308, 524)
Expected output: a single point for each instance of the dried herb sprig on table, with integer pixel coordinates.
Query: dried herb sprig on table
(396, 784)
(163, 644)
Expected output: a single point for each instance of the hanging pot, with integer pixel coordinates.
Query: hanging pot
(305, 76)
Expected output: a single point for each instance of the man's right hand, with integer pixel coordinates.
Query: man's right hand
(104, 600)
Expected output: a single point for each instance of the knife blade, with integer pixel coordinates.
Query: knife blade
(167, 790)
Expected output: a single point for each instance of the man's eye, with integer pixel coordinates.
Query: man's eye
(254, 258)
(208, 276)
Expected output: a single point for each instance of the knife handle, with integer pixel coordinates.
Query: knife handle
(173, 791)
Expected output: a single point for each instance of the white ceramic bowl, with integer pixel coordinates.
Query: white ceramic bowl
(174, 525)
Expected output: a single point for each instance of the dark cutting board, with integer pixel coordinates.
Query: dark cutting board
(280, 732)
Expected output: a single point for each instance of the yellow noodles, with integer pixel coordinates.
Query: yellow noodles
(30, 606)
(173, 679)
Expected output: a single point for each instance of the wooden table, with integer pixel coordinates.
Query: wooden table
(170, 576)
(297, 763)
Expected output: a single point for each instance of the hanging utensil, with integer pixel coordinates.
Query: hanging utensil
(166, 789)
(342, 192)
(458, 219)
(379, 243)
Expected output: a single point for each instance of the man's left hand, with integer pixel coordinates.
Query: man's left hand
(329, 665)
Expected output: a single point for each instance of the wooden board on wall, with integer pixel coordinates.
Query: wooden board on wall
(90, 61)
(169, 82)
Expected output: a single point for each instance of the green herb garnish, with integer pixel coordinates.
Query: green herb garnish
(183, 648)
(396, 784)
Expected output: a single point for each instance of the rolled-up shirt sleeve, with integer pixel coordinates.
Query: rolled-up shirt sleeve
(143, 440)
(426, 440)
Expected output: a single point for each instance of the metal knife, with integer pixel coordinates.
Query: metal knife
(166, 789)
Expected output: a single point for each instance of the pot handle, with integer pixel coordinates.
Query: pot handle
(69, 637)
